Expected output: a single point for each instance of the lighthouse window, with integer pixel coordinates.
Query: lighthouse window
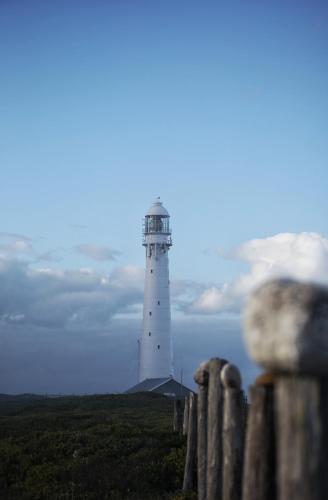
(149, 334)
(158, 302)
(149, 313)
(152, 270)
(158, 346)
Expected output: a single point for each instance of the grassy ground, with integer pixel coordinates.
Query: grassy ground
(90, 447)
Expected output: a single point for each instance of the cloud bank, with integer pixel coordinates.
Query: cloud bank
(53, 297)
(58, 298)
(302, 256)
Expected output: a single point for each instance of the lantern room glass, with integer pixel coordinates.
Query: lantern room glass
(156, 224)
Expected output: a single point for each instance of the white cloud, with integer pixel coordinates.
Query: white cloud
(98, 252)
(12, 244)
(62, 298)
(128, 277)
(302, 256)
(212, 300)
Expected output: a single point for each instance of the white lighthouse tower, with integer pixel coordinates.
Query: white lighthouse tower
(156, 359)
(155, 346)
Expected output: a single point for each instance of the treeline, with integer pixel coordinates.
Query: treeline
(90, 447)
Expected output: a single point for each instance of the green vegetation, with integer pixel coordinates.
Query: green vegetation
(90, 447)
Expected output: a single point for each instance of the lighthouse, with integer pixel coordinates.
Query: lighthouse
(155, 358)
(155, 344)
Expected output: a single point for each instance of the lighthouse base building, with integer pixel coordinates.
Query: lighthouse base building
(155, 344)
(167, 386)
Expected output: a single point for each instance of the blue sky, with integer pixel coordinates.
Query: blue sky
(218, 107)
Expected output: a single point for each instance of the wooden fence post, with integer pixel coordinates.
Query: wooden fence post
(259, 457)
(302, 445)
(177, 419)
(214, 430)
(191, 456)
(185, 416)
(201, 378)
(287, 332)
(233, 432)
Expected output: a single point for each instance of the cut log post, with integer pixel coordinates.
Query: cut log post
(259, 457)
(286, 327)
(178, 416)
(186, 416)
(287, 331)
(189, 479)
(233, 432)
(201, 378)
(214, 430)
(302, 443)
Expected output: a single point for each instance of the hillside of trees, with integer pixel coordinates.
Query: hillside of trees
(89, 447)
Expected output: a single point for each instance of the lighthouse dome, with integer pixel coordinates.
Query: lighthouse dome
(157, 209)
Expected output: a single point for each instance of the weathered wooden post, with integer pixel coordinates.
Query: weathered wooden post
(185, 416)
(287, 332)
(201, 378)
(191, 456)
(259, 457)
(177, 419)
(214, 430)
(233, 432)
